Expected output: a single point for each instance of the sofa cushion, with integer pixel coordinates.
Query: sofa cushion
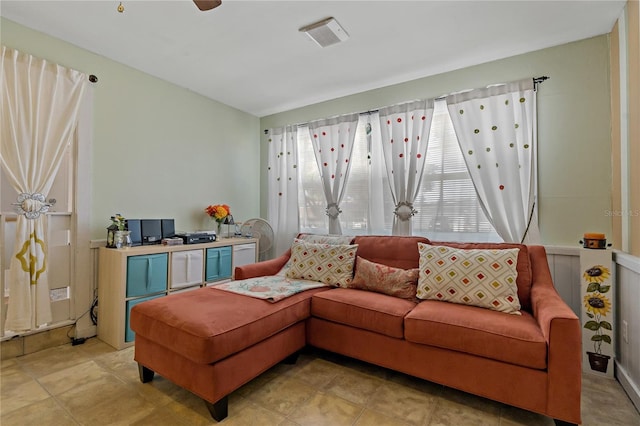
(523, 267)
(317, 239)
(396, 251)
(385, 279)
(207, 324)
(477, 331)
(479, 277)
(326, 239)
(326, 263)
(362, 309)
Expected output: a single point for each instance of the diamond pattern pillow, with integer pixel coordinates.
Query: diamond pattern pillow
(385, 279)
(317, 239)
(478, 277)
(326, 263)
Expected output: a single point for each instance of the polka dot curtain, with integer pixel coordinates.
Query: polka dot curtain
(282, 185)
(496, 129)
(332, 141)
(405, 136)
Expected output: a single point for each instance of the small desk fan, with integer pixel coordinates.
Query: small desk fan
(260, 229)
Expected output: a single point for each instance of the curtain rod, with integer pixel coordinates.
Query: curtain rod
(536, 81)
(93, 78)
(539, 80)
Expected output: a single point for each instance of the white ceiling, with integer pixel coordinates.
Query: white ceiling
(250, 55)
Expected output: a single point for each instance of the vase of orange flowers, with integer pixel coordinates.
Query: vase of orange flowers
(218, 212)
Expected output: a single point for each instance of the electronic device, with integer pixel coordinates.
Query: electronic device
(197, 237)
(151, 230)
(133, 226)
(168, 228)
(173, 241)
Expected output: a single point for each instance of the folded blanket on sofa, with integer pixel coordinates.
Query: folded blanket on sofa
(270, 288)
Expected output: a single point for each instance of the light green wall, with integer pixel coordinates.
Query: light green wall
(159, 151)
(163, 151)
(573, 120)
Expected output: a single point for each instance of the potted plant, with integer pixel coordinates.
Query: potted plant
(119, 236)
(597, 306)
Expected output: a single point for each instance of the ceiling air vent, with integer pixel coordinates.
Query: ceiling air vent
(326, 32)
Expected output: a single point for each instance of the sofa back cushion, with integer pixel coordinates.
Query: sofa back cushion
(326, 239)
(397, 251)
(523, 267)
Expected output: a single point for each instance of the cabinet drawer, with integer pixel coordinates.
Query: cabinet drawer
(129, 335)
(218, 263)
(186, 268)
(244, 254)
(146, 274)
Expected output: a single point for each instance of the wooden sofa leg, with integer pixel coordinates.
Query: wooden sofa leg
(146, 375)
(219, 410)
(563, 423)
(291, 359)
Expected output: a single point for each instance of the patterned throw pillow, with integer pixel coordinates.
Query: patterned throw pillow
(326, 263)
(478, 277)
(385, 279)
(317, 239)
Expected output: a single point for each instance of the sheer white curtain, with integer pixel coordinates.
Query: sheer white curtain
(40, 103)
(332, 141)
(405, 136)
(496, 129)
(381, 204)
(448, 203)
(282, 179)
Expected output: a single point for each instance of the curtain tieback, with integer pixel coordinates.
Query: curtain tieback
(404, 210)
(333, 210)
(32, 205)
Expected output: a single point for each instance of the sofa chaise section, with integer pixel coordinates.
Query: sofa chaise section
(211, 342)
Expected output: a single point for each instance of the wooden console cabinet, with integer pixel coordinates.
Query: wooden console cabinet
(133, 275)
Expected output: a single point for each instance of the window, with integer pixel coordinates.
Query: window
(311, 200)
(447, 205)
(359, 216)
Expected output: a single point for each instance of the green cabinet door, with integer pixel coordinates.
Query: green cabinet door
(218, 263)
(147, 274)
(129, 335)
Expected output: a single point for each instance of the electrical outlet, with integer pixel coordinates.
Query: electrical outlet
(625, 331)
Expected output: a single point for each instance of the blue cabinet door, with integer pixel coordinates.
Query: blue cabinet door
(218, 263)
(147, 274)
(129, 335)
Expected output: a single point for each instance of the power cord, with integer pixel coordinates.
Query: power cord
(92, 311)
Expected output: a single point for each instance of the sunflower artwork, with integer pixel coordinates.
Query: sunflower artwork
(597, 307)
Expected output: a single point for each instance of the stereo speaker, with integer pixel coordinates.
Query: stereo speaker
(151, 231)
(168, 228)
(133, 225)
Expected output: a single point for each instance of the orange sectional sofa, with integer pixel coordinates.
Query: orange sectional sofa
(211, 342)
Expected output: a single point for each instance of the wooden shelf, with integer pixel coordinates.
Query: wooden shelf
(112, 282)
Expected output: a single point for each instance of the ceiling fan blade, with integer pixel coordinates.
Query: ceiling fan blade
(207, 4)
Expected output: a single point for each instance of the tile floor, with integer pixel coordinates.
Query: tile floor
(92, 384)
